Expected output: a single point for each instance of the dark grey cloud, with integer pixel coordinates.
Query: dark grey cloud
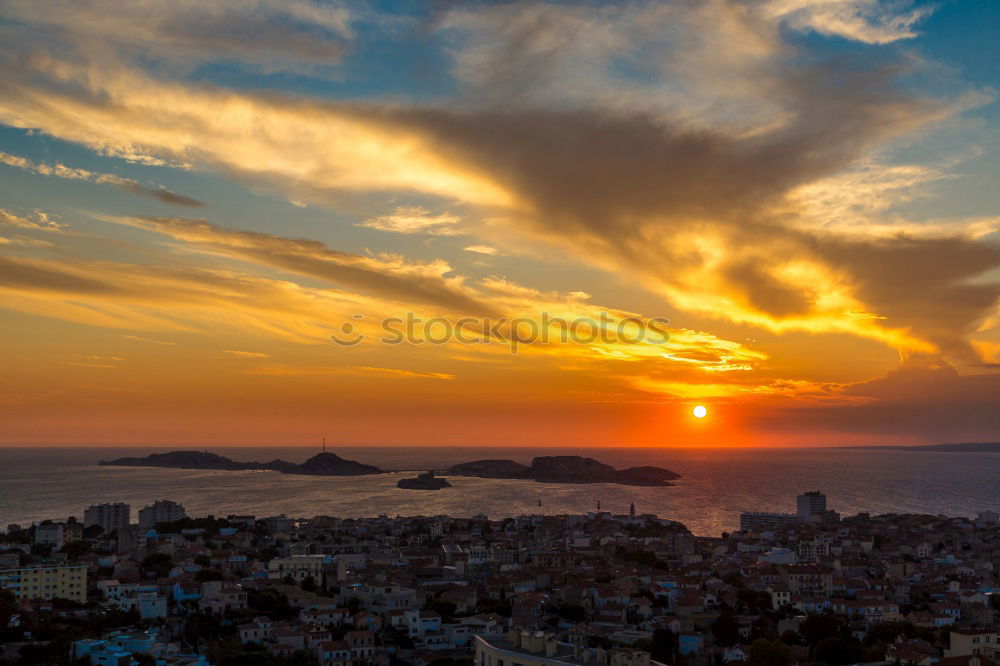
(162, 194)
(926, 399)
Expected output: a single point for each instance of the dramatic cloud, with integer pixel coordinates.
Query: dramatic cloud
(701, 214)
(701, 64)
(705, 153)
(119, 295)
(926, 400)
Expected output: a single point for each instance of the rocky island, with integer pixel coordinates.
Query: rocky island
(321, 464)
(566, 469)
(545, 469)
(425, 481)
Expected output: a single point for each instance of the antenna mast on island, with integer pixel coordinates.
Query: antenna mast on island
(324, 443)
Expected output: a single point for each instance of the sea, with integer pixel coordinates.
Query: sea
(716, 484)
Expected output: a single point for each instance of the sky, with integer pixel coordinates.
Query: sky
(214, 215)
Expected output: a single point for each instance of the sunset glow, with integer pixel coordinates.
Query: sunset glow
(786, 211)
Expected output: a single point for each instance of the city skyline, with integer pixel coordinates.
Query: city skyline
(201, 201)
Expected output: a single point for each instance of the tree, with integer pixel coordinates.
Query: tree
(756, 601)
(837, 650)
(205, 575)
(726, 630)
(769, 653)
(92, 531)
(76, 549)
(664, 648)
(571, 612)
(816, 627)
(445, 609)
(159, 564)
(791, 638)
(733, 578)
(301, 658)
(309, 584)
(8, 607)
(764, 627)
(270, 603)
(884, 632)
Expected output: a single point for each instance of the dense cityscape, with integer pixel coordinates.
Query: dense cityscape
(601, 588)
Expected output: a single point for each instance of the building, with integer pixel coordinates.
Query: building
(109, 516)
(756, 521)
(277, 524)
(49, 534)
(536, 648)
(811, 508)
(160, 511)
(133, 540)
(810, 503)
(47, 582)
(975, 641)
(72, 530)
(119, 648)
(145, 600)
(299, 567)
(100, 653)
(778, 555)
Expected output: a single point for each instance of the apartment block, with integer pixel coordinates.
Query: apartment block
(160, 511)
(109, 516)
(47, 582)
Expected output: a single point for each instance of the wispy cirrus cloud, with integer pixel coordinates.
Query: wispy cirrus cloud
(160, 299)
(286, 370)
(265, 34)
(866, 21)
(483, 249)
(245, 354)
(413, 220)
(38, 221)
(59, 170)
(386, 276)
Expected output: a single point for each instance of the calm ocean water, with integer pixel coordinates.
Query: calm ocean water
(716, 484)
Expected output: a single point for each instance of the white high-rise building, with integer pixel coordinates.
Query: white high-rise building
(809, 504)
(109, 516)
(160, 511)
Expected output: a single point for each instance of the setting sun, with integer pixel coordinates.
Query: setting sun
(700, 411)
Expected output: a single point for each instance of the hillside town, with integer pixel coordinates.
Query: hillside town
(600, 588)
